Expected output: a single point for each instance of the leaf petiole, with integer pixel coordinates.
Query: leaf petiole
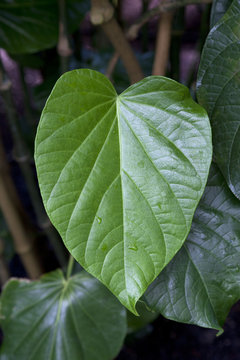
(70, 267)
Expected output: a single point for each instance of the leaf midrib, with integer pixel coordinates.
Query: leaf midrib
(121, 177)
(55, 326)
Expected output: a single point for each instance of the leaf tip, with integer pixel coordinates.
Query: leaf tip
(220, 332)
(130, 303)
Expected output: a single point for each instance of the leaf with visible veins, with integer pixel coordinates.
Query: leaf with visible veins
(202, 282)
(219, 92)
(59, 319)
(121, 175)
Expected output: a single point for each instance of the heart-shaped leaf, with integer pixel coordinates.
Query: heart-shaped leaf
(219, 92)
(30, 26)
(202, 282)
(121, 176)
(61, 319)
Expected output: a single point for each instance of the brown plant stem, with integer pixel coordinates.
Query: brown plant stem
(163, 7)
(102, 14)
(23, 158)
(22, 236)
(111, 65)
(162, 44)
(4, 272)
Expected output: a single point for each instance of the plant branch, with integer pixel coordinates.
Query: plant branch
(102, 14)
(163, 7)
(4, 271)
(163, 44)
(24, 242)
(111, 65)
(23, 158)
(70, 266)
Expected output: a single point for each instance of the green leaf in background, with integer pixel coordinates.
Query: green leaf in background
(121, 176)
(219, 7)
(202, 282)
(219, 92)
(30, 26)
(60, 319)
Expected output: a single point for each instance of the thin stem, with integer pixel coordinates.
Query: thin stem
(111, 65)
(70, 266)
(23, 158)
(163, 44)
(117, 38)
(163, 7)
(4, 271)
(24, 242)
(102, 14)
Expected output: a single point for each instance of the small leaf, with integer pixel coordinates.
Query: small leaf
(121, 176)
(30, 26)
(202, 282)
(61, 319)
(219, 92)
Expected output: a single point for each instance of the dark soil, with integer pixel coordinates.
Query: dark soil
(168, 340)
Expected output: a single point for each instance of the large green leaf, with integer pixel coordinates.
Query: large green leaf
(219, 92)
(202, 282)
(121, 176)
(32, 25)
(60, 319)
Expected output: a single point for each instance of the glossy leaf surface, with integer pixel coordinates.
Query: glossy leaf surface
(30, 26)
(121, 176)
(219, 92)
(202, 282)
(61, 319)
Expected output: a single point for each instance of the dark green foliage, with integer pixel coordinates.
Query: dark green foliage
(30, 26)
(218, 92)
(202, 282)
(58, 318)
